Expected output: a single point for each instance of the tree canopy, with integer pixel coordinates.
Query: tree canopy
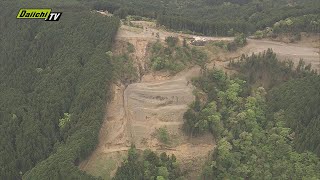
(148, 165)
(259, 133)
(220, 17)
(55, 79)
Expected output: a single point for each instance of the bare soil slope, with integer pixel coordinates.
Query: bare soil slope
(138, 110)
(135, 114)
(158, 100)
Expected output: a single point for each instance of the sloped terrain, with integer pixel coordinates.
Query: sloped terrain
(159, 101)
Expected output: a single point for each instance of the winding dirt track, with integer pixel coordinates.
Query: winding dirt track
(295, 52)
(292, 51)
(138, 110)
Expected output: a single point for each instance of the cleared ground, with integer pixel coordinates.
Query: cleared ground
(159, 101)
(135, 114)
(138, 110)
(307, 49)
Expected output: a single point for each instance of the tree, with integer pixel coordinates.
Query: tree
(63, 121)
(252, 141)
(46, 71)
(163, 172)
(149, 166)
(240, 39)
(172, 41)
(163, 135)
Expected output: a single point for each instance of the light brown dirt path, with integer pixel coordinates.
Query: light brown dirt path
(135, 114)
(293, 51)
(136, 111)
(285, 51)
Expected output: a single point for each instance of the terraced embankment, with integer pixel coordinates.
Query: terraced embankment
(138, 110)
(134, 116)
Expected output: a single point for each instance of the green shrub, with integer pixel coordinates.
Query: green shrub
(163, 135)
(130, 48)
(240, 39)
(172, 41)
(258, 34)
(175, 59)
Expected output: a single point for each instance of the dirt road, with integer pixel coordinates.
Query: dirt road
(138, 110)
(295, 52)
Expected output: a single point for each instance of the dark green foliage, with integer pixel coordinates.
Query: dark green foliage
(264, 69)
(204, 27)
(124, 70)
(206, 117)
(298, 97)
(291, 26)
(131, 167)
(48, 69)
(172, 41)
(223, 17)
(130, 48)
(148, 166)
(250, 143)
(300, 100)
(240, 40)
(175, 58)
(218, 19)
(305, 23)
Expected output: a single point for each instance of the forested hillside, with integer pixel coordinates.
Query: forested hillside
(298, 96)
(292, 89)
(223, 17)
(54, 79)
(258, 137)
(300, 100)
(265, 69)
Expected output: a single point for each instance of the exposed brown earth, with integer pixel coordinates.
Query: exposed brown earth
(159, 101)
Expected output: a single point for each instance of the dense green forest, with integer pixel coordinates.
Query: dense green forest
(223, 17)
(293, 89)
(300, 100)
(54, 79)
(148, 165)
(258, 136)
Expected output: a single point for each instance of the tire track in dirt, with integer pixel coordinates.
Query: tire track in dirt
(145, 107)
(136, 111)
